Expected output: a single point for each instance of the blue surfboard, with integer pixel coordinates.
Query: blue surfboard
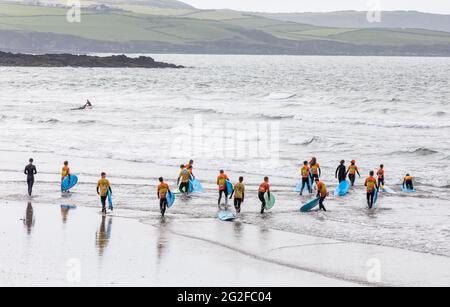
(69, 182)
(170, 199)
(229, 187)
(375, 199)
(310, 205)
(226, 216)
(195, 186)
(342, 189)
(110, 201)
(388, 190)
(406, 190)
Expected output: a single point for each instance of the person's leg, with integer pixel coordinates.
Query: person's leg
(352, 179)
(236, 204)
(263, 201)
(103, 200)
(226, 198)
(371, 199)
(220, 197)
(368, 199)
(239, 205)
(321, 205)
(30, 183)
(305, 183)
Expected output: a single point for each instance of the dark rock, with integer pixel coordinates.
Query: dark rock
(70, 60)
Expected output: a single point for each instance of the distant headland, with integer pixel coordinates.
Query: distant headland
(84, 61)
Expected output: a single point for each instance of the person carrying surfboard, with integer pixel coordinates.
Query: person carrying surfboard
(222, 184)
(352, 171)
(239, 194)
(408, 182)
(322, 193)
(306, 176)
(184, 177)
(163, 189)
(65, 172)
(263, 189)
(30, 171)
(381, 179)
(371, 185)
(103, 187)
(341, 172)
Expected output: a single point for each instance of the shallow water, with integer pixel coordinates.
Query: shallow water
(252, 116)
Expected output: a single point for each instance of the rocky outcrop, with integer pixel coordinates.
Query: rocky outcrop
(70, 60)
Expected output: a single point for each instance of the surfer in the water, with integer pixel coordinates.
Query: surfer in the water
(306, 176)
(30, 171)
(222, 184)
(352, 171)
(315, 168)
(87, 106)
(184, 177)
(163, 189)
(341, 172)
(239, 194)
(190, 168)
(263, 189)
(380, 175)
(103, 186)
(371, 185)
(65, 172)
(322, 193)
(408, 182)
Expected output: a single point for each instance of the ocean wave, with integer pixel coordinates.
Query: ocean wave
(86, 122)
(422, 151)
(305, 142)
(197, 110)
(276, 117)
(280, 96)
(49, 121)
(439, 114)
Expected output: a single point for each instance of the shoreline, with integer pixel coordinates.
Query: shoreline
(137, 248)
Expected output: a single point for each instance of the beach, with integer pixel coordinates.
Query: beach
(238, 114)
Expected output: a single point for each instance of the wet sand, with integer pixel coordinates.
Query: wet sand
(50, 245)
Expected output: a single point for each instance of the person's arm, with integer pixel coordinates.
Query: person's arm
(337, 171)
(178, 180)
(35, 170)
(159, 197)
(232, 193)
(98, 188)
(26, 170)
(268, 192)
(357, 170)
(320, 172)
(109, 189)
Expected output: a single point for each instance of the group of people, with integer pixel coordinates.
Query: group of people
(310, 172)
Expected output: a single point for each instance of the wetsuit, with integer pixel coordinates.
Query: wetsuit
(371, 184)
(263, 189)
(341, 173)
(408, 183)
(222, 183)
(322, 194)
(239, 191)
(352, 171)
(185, 176)
(103, 187)
(306, 175)
(30, 171)
(163, 189)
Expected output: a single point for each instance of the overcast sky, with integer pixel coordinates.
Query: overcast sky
(435, 6)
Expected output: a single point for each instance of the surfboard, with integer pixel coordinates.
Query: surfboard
(310, 205)
(229, 187)
(69, 182)
(170, 199)
(269, 203)
(388, 190)
(226, 216)
(110, 201)
(68, 207)
(342, 189)
(406, 190)
(375, 199)
(195, 186)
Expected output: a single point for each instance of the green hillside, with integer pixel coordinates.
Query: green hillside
(181, 26)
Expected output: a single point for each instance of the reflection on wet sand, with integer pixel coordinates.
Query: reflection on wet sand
(162, 238)
(103, 235)
(65, 209)
(29, 221)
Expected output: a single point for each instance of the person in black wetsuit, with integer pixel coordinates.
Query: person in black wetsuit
(88, 105)
(30, 171)
(341, 172)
